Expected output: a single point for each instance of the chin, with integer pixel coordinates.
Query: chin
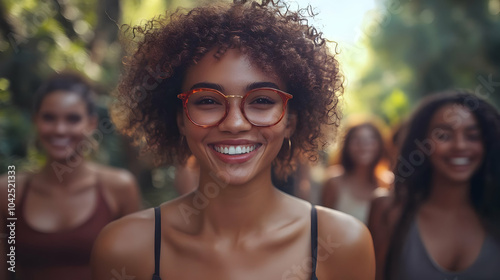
(364, 162)
(233, 177)
(460, 178)
(61, 156)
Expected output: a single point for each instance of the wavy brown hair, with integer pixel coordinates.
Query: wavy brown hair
(274, 38)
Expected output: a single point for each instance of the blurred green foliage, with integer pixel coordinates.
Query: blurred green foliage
(39, 38)
(419, 47)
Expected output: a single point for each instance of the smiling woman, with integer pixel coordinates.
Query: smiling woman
(241, 87)
(443, 221)
(62, 207)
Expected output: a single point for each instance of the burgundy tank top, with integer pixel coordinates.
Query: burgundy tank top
(59, 255)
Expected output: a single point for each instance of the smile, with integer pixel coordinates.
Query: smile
(235, 149)
(60, 141)
(460, 161)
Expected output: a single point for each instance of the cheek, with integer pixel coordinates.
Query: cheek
(273, 135)
(80, 129)
(436, 158)
(352, 150)
(194, 137)
(479, 149)
(43, 127)
(439, 148)
(372, 148)
(191, 131)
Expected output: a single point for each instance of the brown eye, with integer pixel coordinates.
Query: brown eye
(474, 136)
(442, 135)
(206, 101)
(74, 118)
(48, 117)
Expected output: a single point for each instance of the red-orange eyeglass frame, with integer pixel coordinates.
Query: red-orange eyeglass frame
(185, 97)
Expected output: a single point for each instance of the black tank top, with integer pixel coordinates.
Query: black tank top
(314, 242)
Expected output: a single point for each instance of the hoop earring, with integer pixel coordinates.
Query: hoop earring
(289, 146)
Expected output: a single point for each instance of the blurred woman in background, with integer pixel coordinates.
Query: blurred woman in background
(62, 207)
(443, 221)
(353, 185)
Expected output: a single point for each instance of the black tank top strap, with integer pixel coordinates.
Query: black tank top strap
(314, 240)
(156, 275)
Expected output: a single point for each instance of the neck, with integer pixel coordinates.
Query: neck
(362, 174)
(449, 195)
(235, 209)
(62, 174)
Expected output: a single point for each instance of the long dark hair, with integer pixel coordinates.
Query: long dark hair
(413, 172)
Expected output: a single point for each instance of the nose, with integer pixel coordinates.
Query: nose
(235, 121)
(460, 142)
(60, 127)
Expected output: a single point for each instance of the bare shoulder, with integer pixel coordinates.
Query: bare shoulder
(11, 186)
(330, 191)
(125, 247)
(344, 227)
(334, 182)
(334, 171)
(345, 248)
(115, 178)
(121, 189)
(17, 178)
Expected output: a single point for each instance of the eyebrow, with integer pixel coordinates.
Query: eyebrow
(247, 88)
(449, 127)
(208, 85)
(262, 85)
(473, 127)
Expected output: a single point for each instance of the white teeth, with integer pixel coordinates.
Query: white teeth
(60, 141)
(235, 150)
(460, 161)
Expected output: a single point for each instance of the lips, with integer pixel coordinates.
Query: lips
(60, 142)
(461, 164)
(460, 161)
(235, 149)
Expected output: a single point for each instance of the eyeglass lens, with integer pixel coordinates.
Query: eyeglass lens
(261, 107)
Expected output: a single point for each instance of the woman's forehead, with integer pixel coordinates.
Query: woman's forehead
(453, 116)
(232, 69)
(61, 99)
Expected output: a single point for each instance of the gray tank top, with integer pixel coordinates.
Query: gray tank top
(417, 264)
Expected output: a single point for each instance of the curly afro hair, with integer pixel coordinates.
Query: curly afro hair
(273, 37)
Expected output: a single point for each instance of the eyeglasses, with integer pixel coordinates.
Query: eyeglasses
(262, 107)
